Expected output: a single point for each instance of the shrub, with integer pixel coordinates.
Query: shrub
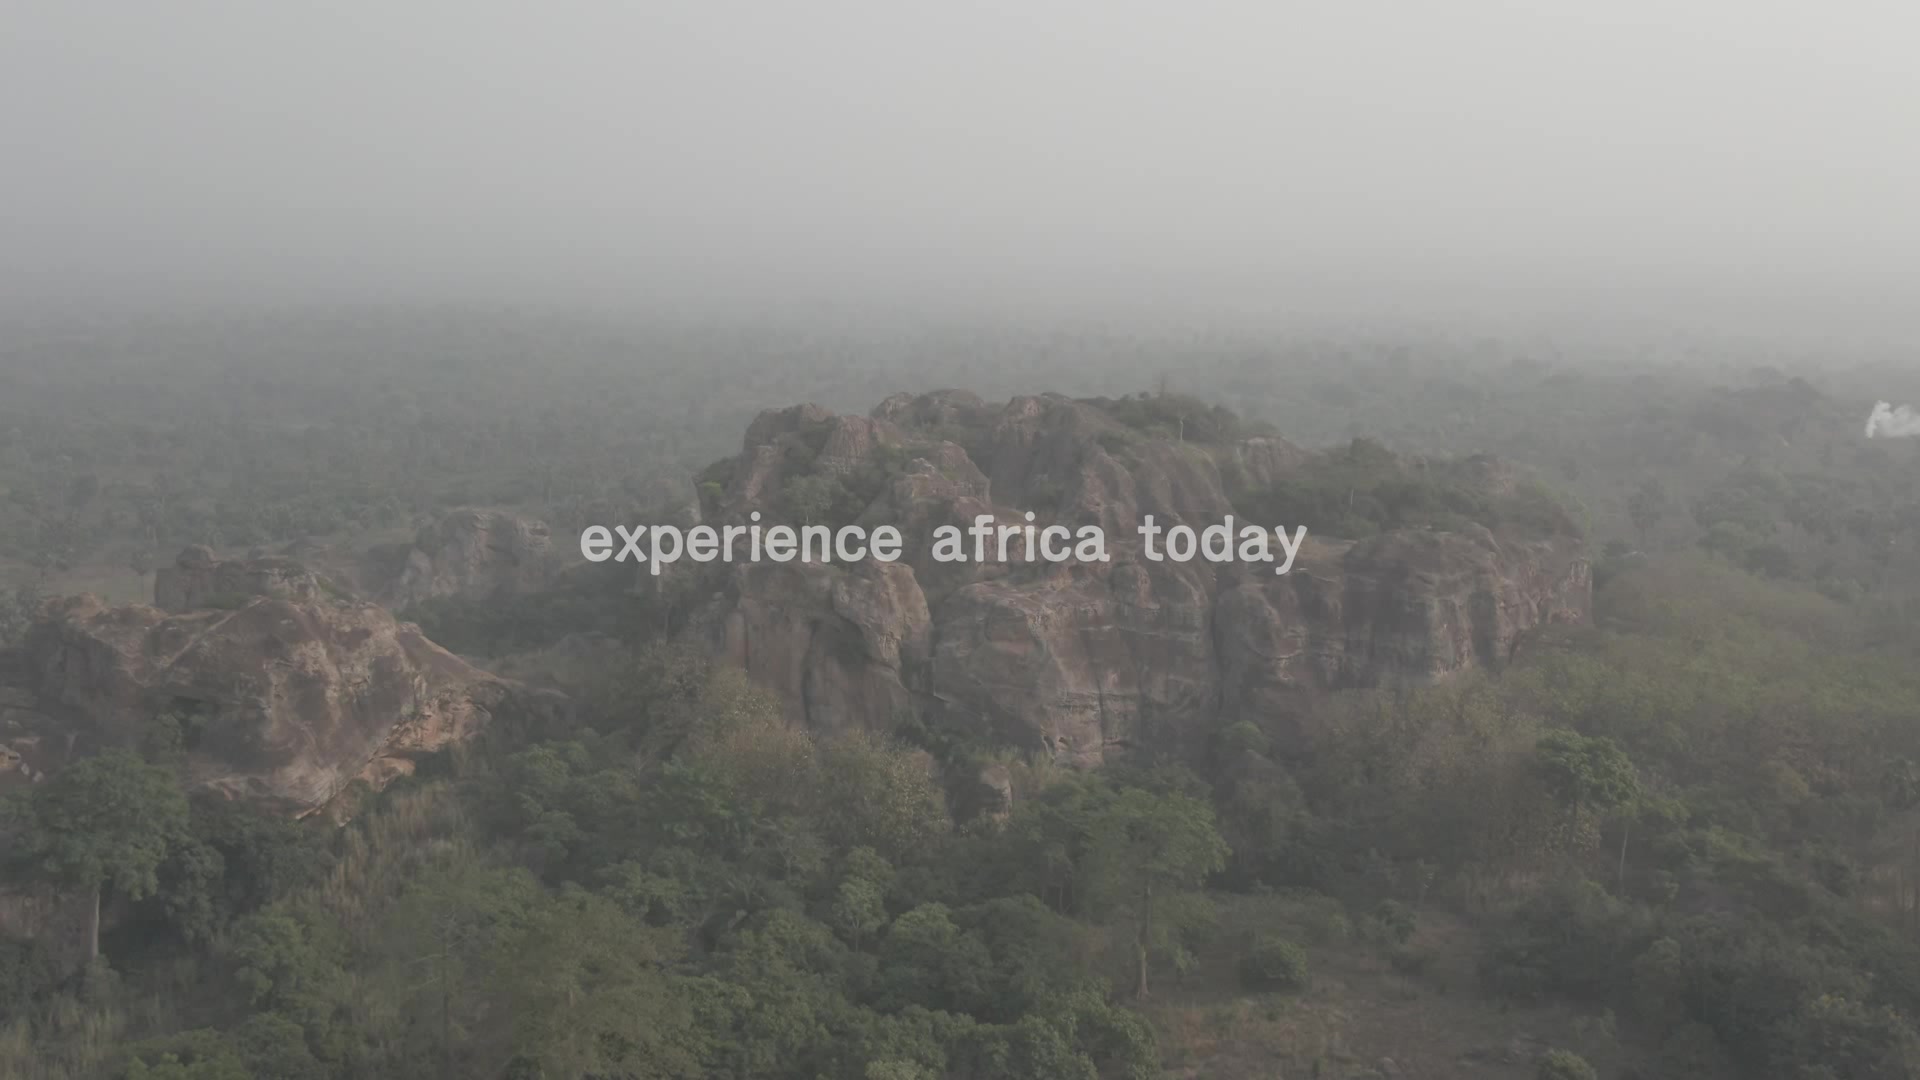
(1392, 923)
(1273, 963)
(1564, 1065)
(29, 971)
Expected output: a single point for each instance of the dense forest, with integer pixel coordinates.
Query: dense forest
(1680, 840)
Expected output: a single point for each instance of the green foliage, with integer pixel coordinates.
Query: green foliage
(590, 993)
(193, 1055)
(1394, 922)
(930, 961)
(859, 909)
(809, 499)
(289, 964)
(274, 1046)
(107, 821)
(230, 862)
(1273, 963)
(1586, 772)
(1569, 939)
(1174, 416)
(264, 1046)
(1564, 1065)
(29, 969)
(1363, 489)
(1696, 809)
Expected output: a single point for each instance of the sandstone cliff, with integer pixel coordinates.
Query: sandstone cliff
(279, 696)
(1081, 659)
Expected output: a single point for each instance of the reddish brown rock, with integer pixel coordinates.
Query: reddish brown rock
(276, 701)
(1082, 659)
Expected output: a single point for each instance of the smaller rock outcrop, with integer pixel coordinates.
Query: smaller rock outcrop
(477, 554)
(283, 697)
(198, 580)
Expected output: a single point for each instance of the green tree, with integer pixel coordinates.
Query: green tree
(1146, 850)
(107, 822)
(811, 498)
(880, 795)
(1585, 773)
(290, 963)
(927, 959)
(439, 941)
(588, 992)
(1273, 963)
(859, 903)
(191, 1055)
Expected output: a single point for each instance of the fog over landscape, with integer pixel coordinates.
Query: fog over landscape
(1007, 541)
(1712, 161)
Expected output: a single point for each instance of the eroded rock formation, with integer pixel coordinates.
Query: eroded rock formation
(285, 691)
(198, 580)
(477, 554)
(1084, 658)
(280, 696)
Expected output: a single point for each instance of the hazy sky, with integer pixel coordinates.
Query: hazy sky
(1398, 152)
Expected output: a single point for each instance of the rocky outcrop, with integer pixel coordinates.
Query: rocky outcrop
(477, 554)
(278, 698)
(842, 646)
(198, 580)
(1085, 658)
(28, 746)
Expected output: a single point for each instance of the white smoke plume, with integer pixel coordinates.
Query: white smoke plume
(1894, 423)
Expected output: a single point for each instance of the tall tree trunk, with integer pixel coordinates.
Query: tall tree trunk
(93, 927)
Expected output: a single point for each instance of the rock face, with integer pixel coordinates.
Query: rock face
(26, 749)
(1085, 658)
(198, 580)
(279, 697)
(477, 554)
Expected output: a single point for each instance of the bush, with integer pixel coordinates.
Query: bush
(1564, 1065)
(28, 971)
(1273, 963)
(1392, 923)
(1571, 939)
